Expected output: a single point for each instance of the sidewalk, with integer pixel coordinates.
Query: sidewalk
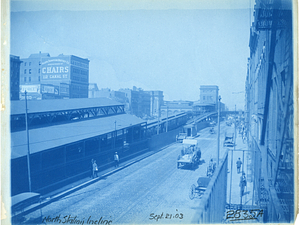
(244, 155)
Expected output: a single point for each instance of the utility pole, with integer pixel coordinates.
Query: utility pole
(28, 148)
(115, 134)
(158, 125)
(218, 155)
(232, 155)
(167, 117)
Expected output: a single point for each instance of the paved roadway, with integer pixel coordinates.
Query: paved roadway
(152, 186)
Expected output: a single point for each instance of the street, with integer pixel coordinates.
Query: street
(152, 190)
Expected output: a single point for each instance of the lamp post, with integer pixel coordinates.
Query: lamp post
(28, 148)
(218, 155)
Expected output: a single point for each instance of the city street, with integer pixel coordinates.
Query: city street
(152, 190)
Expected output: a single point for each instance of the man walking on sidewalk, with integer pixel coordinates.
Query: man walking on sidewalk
(243, 184)
(116, 159)
(238, 165)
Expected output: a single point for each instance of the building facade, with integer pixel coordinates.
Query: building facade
(209, 95)
(156, 102)
(14, 77)
(94, 92)
(269, 109)
(70, 73)
(174, 107)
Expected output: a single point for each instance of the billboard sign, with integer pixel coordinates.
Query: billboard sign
(30, 88)
(31, 96)
(55, 69)
(49, 89)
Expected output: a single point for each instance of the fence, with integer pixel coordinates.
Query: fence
(212, 205)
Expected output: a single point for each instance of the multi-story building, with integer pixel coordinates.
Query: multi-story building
(14, 77)
(144, 103)
(270, 109)
(175, 107)
(133, 100)
(69, 72)
(209, 95)
(156, 102)
(94, 92)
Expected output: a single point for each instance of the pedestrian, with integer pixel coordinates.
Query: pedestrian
(244, 137)
(95, 169)
(238, 165)
(91, 168)
(116, 159)
(243, 184)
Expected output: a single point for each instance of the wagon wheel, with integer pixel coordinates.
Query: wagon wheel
(192, 192)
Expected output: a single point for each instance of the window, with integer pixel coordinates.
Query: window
(29, 71)
(24, 71)
(39, 78)
(29, 64)
(24, 79)
(29, 79)
(24, 63)
(39, 70)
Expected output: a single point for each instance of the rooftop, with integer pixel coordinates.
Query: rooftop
(39, 55)
(55, 136)
(53, 105)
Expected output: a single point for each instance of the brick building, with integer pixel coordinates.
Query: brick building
(270, 109)
(14, 77)
(70, 73)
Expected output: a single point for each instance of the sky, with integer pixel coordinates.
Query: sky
(154, 45)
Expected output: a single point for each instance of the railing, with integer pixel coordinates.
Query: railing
(275, 213)
(212, 204)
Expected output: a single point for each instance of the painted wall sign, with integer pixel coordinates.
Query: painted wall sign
(55, 69)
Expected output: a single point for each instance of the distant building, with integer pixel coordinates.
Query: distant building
(209, 95)
(70, 73)
(156, 102)
(139, 101)
(143, 103)
(94, 92)
(175, 107)
(14, 77)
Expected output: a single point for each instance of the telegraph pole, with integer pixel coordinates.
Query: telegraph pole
(28, 148)
(218, 155)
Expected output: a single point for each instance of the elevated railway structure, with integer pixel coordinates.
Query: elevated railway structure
(65, 135)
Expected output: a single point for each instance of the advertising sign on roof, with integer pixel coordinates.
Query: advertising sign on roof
(55, 69)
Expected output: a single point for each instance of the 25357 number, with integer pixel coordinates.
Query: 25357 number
(252, 214)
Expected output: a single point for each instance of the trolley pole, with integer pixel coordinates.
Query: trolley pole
(28, 148)
(218, 155)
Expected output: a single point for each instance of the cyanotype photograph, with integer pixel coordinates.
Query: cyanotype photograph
(152, 112)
